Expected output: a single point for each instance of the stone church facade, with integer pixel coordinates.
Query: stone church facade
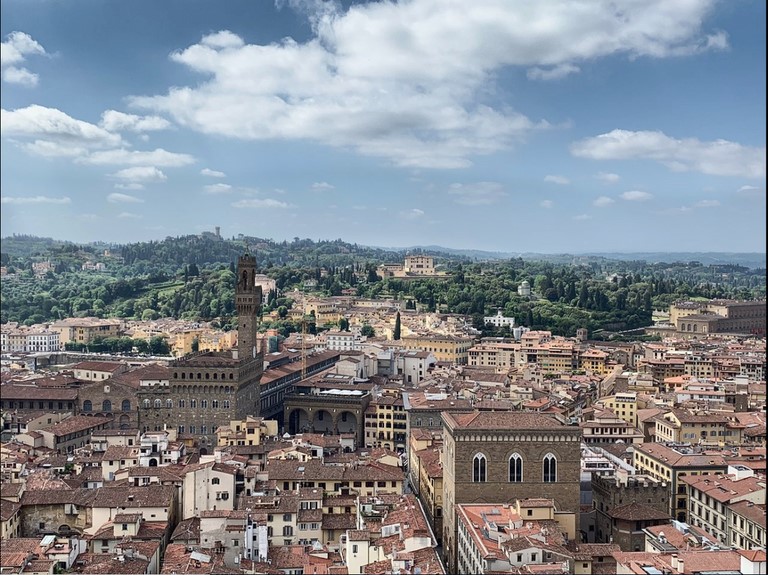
(206, 390)
(498, 457)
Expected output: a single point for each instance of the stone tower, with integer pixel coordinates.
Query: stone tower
(248, 306)
(209, 389)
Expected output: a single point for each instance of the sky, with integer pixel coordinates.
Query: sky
(553, 126)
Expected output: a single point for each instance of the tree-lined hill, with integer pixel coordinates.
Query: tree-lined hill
(192, 277)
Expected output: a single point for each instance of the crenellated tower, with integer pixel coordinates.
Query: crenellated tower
(248, 306)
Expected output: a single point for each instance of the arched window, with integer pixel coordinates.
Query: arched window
(182, 403)
(515, 468)
(106, 405)
(87, 405)
(126, 405)
(145, 403)
(215, 481)
(158, 403)
(550, 468)
(478, 469)
(169, 403)
(695, 327)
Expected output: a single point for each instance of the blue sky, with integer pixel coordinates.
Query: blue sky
(550, 126)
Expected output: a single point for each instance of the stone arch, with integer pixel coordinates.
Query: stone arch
(346, 422)
(125, 422)
(322, 421)
(298, 421)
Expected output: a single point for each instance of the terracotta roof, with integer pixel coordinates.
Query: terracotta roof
(110, 366)
(33, 392)
(503, 420)
(187, 530)
(753, 512)
(77, 423)
(135, 497)
(8, 509)
(336, 521)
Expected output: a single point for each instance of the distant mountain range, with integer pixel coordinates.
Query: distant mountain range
(25, 246)
(747, 259)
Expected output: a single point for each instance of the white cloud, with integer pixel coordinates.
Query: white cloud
(34, 200)
(707, 204)
(547, 204)
(717, 158)
(20, 76)
(603, 201)
(256, 203)
(131, 186)
(116, 198)
(212, 173)
(322, 186)
(217, 188)
(607, 177)
(141, 174)
(53, 128)
(49, 149)
(115, 121)
(157, 157)
(129, 216)
(402, 81)
(554, 73)
(562, 180)
(748, 188)
(582, 217)
(477, 194)
(636, 196)
(412, 214)
(13, 51)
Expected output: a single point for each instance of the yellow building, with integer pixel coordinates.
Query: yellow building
(558, 356)
(498, 355)
(669, 466)
(624, 405)
(84, 330)
(711, 428)
(385, 423)
(251, 431)
(595, 360)
(430, 486)
(448, 348)
(325, 312)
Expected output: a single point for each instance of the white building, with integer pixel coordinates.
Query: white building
(29, 340)
(343, 341)
(414, 365)
(499, 320)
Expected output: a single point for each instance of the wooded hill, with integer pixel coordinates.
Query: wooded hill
(192, 277)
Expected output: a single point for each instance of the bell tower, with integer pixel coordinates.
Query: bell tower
(248, 306)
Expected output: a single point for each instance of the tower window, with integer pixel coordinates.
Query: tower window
(479, 469)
